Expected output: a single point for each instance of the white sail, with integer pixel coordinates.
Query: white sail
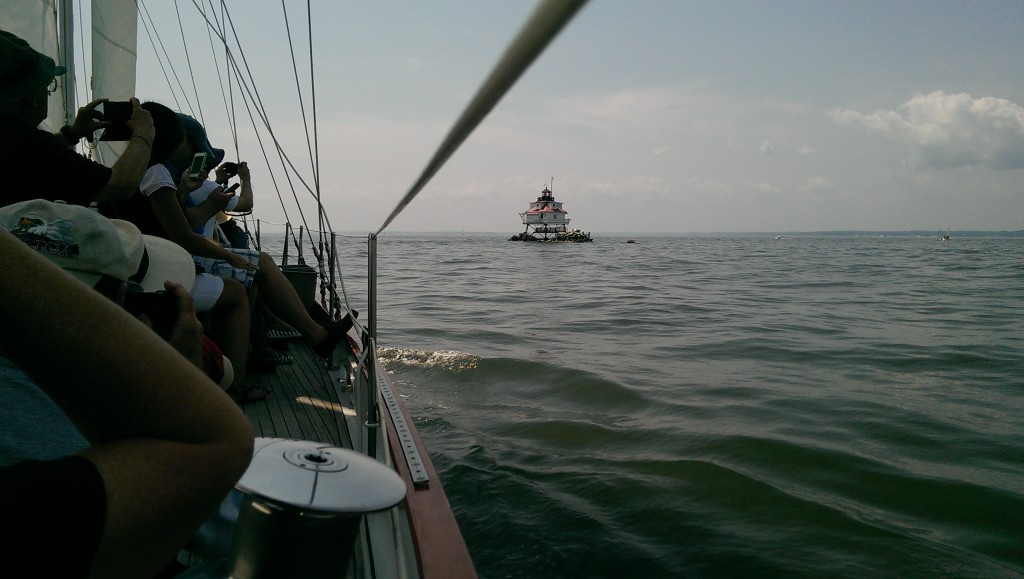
(114, 52)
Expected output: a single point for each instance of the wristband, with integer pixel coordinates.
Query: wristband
(144, 140)
(66, 131)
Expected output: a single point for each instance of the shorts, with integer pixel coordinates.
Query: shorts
(206, 291)
(221, 268)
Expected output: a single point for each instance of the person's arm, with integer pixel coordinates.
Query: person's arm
(172, 219)
(87, 121)
(127, 172)
(245, 191)
(216, 202)
(168, 443)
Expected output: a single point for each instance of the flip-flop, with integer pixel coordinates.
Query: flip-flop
(283, 334)
(251, 393)
(276, 358)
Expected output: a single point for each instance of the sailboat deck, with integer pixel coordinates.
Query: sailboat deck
(305, 402)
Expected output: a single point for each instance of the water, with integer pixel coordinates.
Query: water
(711, 407)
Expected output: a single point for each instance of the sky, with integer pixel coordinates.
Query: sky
(652, 116)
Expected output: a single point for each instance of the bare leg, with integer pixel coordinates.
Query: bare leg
(258, 337)
(271, 321)
(281, 299)
(261, 347)
(231, 320)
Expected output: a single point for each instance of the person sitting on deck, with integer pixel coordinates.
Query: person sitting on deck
(226, 301)
(166, 443)
(40, 165)
(161, 186)
(236, 236)
(208, 202)
(119, 263)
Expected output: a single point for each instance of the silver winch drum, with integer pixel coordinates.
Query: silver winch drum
(301, 506)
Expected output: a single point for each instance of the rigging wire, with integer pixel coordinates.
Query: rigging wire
(188, 61)
(286, 161)
(251, 99)
(545, 22)
(252, 94)
(229, 109)
(216, 29)
(150, 31)
(85, 87)
(302, 106)
(541, 28)
(312, 97)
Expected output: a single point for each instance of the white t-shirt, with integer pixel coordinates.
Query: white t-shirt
(156, 178)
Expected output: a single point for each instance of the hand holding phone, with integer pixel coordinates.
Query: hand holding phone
(116, 115)
(198, 164)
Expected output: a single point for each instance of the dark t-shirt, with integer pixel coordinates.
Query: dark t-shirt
(36, 165)
(52, 515)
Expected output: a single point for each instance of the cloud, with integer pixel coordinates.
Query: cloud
(626, 107)
(761, 187)
(820, 187)
(767, 148)
(950, 130)
(709, 186)
(807, 151)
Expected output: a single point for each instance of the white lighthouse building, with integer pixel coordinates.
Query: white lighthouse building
(545, 220)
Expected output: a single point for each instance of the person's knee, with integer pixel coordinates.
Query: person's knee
(234, 294)
(266, 261)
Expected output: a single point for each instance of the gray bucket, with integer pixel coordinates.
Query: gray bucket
(303, 279)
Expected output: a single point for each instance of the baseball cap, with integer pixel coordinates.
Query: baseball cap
(90, 247)
(196, 134)
(23, 70)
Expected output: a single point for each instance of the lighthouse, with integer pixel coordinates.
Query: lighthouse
(546, 220)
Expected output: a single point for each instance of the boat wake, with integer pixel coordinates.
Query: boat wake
(447, 360)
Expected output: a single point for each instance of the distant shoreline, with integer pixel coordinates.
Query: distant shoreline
(772, 234)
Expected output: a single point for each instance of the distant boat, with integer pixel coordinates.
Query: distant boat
(630, 241)
(944, 236)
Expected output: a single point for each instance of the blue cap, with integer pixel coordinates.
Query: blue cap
(196, 134)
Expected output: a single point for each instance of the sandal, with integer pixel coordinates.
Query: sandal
(276, 358)
(283, 334)
(250, 393)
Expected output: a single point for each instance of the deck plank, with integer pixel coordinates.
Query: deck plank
(303, 403)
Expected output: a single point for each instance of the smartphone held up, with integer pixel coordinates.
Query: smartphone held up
(198, 164)
(117, 114)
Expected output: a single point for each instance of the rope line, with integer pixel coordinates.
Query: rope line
(543, 25)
